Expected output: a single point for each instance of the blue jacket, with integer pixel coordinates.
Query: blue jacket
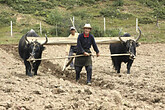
(84, 44)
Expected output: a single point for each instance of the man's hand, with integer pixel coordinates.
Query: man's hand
(97, 54)
(86, 54)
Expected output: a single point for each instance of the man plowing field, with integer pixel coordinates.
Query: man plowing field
(84, 42)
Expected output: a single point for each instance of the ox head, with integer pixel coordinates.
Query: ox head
(131, 44)
(35, 48)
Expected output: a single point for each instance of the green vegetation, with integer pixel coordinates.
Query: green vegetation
(114, 13)
(157, 5)
(55, 17)
(118, 3)
(145, 20)
(5, 19)
(82, 14)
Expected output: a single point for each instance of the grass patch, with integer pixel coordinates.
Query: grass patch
(9, 40)
(119, 14)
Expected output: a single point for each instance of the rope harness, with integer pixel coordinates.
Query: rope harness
(132, 55)
(32, 57)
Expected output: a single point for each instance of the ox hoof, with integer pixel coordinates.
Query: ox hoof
(30, 75)
(128, 72)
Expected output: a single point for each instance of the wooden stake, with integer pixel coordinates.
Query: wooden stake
(64, 66)
(104, 25)
(67, 64)
(40, 28)
(73, 24)
(70, 61)
(11, 29)
(56, 30)
(136, 24)
(73, 21)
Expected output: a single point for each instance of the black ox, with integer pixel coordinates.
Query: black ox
(31, 49)
(128, 46)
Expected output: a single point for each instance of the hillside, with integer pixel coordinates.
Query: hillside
(27, 14)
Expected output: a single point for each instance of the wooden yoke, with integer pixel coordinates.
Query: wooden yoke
(66, 40)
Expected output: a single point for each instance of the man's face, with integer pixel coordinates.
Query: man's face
(72, 32)
(87, 30)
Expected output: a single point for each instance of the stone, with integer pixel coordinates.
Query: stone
(88, 91)
(57, 91)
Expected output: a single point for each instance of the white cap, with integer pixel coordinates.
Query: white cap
(87, 26)
(72, 28)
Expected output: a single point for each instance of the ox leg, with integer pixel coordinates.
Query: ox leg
(129, 64)
(28, 68)
(118, 66)
(113, 62)
(36, 67)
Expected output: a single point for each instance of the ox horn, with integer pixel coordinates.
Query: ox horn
(120, 37)
(139, 35)
(27, 39)
(45, 40)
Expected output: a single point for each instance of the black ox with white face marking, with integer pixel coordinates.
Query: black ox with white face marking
(28, 50)
(128, 46)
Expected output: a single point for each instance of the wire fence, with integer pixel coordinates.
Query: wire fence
(105, 25)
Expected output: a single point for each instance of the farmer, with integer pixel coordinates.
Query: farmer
(84, 42)
(72, 48)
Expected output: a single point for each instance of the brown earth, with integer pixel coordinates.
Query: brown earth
(143, 89)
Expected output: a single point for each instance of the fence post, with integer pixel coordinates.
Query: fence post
(157, 21)
(136, 24)
(11, 28)
(104, 25)
(40, 28)
(56, 30)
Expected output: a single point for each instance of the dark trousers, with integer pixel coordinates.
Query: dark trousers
(71, 54)
(89, 72)
(71, 51)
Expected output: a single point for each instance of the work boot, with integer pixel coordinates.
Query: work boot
(89, 83)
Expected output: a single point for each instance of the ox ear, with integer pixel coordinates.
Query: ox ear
(137, 44)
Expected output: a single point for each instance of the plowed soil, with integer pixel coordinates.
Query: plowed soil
(52, 89)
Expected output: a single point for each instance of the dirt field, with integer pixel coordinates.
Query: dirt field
(143, 89)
